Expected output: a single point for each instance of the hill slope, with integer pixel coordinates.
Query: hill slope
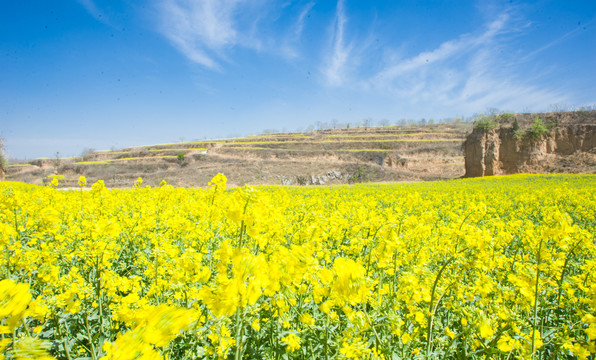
(335, 156)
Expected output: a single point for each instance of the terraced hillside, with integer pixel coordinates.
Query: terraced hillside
(335, 156)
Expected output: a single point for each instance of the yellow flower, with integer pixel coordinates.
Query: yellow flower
(486, 331)
(591, 331)
(355, 348)
(307, 319)
(420, 317)
(218, 183)
(55, 179)
(14, 300)
(506, 343)
(292, 341)
(349, 285)
(449, 333)
(31, 348)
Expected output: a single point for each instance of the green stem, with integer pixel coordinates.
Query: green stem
(560, 284)
(93, 354)
(98, 289)
(431, 309)
(8, 272)
(242, 226)
(25, 327)
(371, 248)
(156, 279)
(372, 326)
(241, 234)
(16, 223)
(64, 343)
(239, 321)
(538, 259)
(326, 344)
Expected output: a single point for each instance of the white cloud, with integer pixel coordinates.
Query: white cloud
(290, 42)
(299, 25)
(206, 31)
(576, 31)
(89, 5)
(467, 74)
(446, 51)
(94, 11)
(200, 29)
(336, 66)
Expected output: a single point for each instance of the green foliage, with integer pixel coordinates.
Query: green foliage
(485, 123)
(505, 117)
(537, 130)
(518, 134)
(180, 157)
(362, 175)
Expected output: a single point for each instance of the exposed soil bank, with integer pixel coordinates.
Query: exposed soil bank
(568, 145)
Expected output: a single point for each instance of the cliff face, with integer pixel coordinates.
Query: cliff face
(565, 148)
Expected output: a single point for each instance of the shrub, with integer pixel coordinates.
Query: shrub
(505, 117)
(87, 154)
(518, 134)
(485, 123)
(537, 130)
(180, 157)
(515, 125)
(362, 175)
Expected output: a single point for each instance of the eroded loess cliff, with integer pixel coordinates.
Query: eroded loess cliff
(568, 144)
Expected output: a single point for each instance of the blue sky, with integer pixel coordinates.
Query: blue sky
(102, 74)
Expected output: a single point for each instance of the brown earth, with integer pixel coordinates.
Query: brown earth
(337, 156)
(568, 145)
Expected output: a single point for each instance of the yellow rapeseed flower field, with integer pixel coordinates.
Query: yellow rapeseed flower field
(496, 268)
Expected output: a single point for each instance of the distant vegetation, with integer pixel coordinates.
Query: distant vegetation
(3, 160)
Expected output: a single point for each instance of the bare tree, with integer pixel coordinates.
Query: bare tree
(366, 123)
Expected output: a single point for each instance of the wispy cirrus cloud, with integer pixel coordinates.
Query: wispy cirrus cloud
(206, 30)
(336, 64)
(299, 25)
(568, 35)
(200, 29)
(468, 73)
(447, 51)
(290, 44)
(94, 11)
